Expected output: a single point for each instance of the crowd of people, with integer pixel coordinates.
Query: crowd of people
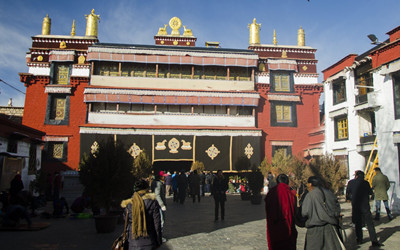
(319, 211)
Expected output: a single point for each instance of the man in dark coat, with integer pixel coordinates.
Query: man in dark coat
(182, 182)
(195, 185)
(361, 210)
(219, 187)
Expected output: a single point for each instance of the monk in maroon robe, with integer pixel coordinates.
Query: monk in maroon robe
(280, 207)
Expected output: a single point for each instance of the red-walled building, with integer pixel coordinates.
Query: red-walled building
(58, 74)
(287, 81)
(178, 102)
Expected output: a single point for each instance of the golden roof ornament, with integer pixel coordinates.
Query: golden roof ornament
(46, 26)
(187, 32)
(162, 31)
(254, 32)
(301, 37)
(73, 28)
(284, 54)
(63, 45)
(175, 23)
(274, 41)
(91, 24)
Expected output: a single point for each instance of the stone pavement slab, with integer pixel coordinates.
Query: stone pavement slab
(188, 226)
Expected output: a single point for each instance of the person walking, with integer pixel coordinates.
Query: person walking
(322, 210)
(361, 211)
(195, 186)
(175, 186)
(380, 186)
(144, 218)
(182, 182)
(158, 188)
(219, 187)
(280, 208)
(168, 184)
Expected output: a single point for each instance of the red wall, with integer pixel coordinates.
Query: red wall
(35, 113)
(307, 119)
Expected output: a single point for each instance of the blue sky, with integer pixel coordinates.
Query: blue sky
(334, 28)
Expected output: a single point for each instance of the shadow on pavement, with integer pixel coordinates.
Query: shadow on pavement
(193, 218)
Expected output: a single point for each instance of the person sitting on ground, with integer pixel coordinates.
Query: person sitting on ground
(144, 218)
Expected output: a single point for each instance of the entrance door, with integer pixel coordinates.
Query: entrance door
(11, 167)
(172, 166)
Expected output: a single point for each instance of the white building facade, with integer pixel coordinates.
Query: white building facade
(362, 104)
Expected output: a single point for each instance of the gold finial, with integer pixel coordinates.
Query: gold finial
(46, 27)
(81, 59)
(175, 24)
(91, 24)
(254, 32)
(73, 28)
(301, 37)
(162, 31)
(274, 39)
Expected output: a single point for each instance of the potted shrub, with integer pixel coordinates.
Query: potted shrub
(256, 183)
(107, 180)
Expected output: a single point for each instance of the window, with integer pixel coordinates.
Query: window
(281, 81)
(56, 151)
(341, 131)
(12, 146)
(283, 114)
(61, 73)
(339, 91)
(287, 150)
(396, 95)
(364, 82)
(57, 110)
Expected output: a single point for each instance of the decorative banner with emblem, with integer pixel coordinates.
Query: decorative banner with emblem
(173, 147)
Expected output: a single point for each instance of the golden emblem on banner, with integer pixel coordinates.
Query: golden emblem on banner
(58, 151)
(248, 151)
(94, 149)
(173, 145)
(212, 152)
(186, 145)
(161, 145)
(134, 150)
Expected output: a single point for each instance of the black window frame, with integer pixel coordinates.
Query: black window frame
(337, 85)
(48, 148)
(275, 123)
(50, 99)
(336, 119)
(291, 81)
(396, 99)
(275, 148)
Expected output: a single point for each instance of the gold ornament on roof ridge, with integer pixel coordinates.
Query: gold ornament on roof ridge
(46, 26)
(187, 32)
(73, 28)
(91, 24)
(254, 32)
(162, 31)
(175, 23)
(301, 37)
(274, 41)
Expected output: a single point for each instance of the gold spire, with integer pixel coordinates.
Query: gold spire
(46, 27)
(301, 37)
(73, 28)
(91, 24)
(274, 41)
(254, 32)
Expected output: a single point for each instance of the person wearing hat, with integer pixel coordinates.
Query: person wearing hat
(144, 218)
(380, 185)
(158, 188)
